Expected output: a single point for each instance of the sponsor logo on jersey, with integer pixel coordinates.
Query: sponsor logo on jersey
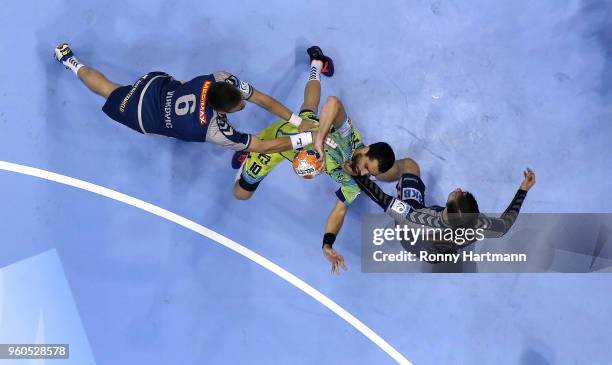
(245, 88)
(412, 193)
(129, 95)
(399, 207)
(224, 126)
(203, 96)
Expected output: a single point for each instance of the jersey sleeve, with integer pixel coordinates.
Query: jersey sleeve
(348, 193)
(373, 191)
(222, 133)
(345, 128)
(244, 87)
(497, 227)
(348, 190)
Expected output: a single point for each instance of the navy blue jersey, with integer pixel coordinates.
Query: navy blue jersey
(411, 190)
(159, 104)
(187, 116)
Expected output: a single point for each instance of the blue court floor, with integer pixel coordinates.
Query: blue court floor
(475, 91)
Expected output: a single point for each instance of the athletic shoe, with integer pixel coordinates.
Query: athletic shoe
(315, 53)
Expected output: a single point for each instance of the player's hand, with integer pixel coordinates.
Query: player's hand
(308, 124)
(346, 167)
(529, 180)
(335, 258)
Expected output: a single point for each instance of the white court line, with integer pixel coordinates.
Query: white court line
(234, 246)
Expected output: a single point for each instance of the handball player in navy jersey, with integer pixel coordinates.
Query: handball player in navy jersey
(193, 111)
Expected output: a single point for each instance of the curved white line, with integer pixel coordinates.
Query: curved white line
(189, 224)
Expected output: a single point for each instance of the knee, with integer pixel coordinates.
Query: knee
(333, 100)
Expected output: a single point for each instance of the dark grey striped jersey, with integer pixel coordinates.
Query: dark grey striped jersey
(431, 217)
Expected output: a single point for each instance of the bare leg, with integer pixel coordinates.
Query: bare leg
(312, 96)
(96, 81)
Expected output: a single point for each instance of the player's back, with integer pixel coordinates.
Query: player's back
(185, 114)
(348, 139)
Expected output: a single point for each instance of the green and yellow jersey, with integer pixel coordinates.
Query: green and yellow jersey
(259, 165)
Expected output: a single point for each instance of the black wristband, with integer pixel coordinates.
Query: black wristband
(329, 239)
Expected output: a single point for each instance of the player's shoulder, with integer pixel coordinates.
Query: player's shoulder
(199, 80)
(245, 88)
(221, 76)
(355, 132)
(347, 131)
(338, 175)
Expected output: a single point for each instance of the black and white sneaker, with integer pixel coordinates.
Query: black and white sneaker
(64, 55)
(62, 52)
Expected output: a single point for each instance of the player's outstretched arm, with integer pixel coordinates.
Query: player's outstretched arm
(270, 104)
(333, 226)
(275, 107)
(497, 227)
(281, 144)
(371, 189)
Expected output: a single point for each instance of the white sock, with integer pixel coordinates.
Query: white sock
(315, 70)
(73, 64)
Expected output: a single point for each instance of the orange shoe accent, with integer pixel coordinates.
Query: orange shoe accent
(325, 67)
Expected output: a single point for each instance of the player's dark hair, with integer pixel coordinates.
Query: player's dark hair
(463, 211)
(382, 152)
(223, 96)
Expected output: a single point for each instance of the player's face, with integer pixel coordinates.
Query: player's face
(363, 165)
(238, 107)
